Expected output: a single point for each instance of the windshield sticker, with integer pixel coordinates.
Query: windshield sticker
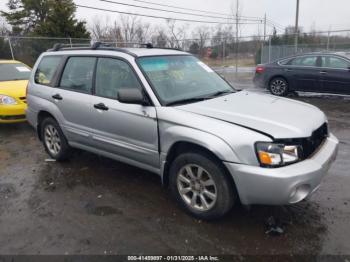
(205, 67)
(22, 69)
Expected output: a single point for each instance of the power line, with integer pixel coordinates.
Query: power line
(178, 12)
(189, 9)
(166, 18)
(275, 24)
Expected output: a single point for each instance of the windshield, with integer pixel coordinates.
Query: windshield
(17, 71)
(180, 78)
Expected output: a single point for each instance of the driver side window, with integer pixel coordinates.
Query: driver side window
(112, 75)
(334, 62)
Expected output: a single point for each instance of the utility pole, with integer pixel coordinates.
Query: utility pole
(263, 42)
(265, 27)
(328, 37)
(237, 33)
(296, 32)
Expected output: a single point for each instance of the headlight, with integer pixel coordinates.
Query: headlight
(7, 100)
(274, 155)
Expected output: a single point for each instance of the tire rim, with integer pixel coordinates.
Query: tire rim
(278, 87)
(196, 187)
(52, 139)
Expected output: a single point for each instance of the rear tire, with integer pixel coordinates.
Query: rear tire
(278, 86)
(199, 184)
(54, 141)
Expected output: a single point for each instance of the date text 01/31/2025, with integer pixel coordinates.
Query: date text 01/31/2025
(173, 258)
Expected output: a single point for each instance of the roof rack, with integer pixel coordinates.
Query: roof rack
(94, 46)
(100, 46)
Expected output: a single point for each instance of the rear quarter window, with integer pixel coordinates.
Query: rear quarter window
(47, 69)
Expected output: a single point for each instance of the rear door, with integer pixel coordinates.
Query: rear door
(304, 72)
(129, 131)
(72, 96)
(335, 75)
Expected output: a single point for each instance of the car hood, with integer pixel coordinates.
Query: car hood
(15, 88)
(274, 116)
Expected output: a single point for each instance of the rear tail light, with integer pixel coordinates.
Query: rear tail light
(260, 69)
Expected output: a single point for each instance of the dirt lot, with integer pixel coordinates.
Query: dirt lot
(93, 205)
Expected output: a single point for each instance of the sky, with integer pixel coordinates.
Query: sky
(314, 14)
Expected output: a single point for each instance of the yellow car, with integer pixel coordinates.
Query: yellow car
(14, 77)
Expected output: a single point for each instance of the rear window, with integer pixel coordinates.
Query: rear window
(14, 71)
(47, 69)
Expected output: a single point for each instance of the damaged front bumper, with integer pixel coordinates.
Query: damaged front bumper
(284, 185)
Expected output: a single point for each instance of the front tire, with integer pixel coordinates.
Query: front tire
(54, 141)
(199, 184)
(278, 86)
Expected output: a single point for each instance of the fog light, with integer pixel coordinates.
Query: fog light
(299, 193)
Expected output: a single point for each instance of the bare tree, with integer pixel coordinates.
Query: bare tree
(115, 32)
(177, 34)
(98, 29)
(202, 33)
(160, 38)
(106, 31)
(143, 32)
(129, 25)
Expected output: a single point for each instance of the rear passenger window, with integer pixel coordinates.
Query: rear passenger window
(304, 61)
(113, 74)
(47, 69)
(78, 73)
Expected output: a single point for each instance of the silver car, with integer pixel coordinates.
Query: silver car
(165, 111)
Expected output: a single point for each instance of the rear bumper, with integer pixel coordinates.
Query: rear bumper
(259, 81)
(12, 113)
(285, 185)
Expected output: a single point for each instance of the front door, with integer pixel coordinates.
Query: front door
(305, 72)
(335, 75)
(129, 131)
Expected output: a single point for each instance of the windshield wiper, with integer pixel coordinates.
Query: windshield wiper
(220, 93)
(186, 101)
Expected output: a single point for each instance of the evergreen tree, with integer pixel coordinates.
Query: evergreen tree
(52, 18)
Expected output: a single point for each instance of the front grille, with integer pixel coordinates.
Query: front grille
(23, 99)
(14, 117)
(309, 144)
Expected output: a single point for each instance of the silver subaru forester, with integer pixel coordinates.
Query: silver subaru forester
(165, 111)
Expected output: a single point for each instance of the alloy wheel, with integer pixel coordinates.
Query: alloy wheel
(278, 87)
(52, 139)
(197, 187)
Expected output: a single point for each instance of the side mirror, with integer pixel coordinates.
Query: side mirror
(131, 96)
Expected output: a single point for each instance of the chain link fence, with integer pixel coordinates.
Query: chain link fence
(233, 58)
(335, 41)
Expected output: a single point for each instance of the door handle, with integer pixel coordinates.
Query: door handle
(323, 72)
(288, 70)
(57, 97)
(101, 106)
